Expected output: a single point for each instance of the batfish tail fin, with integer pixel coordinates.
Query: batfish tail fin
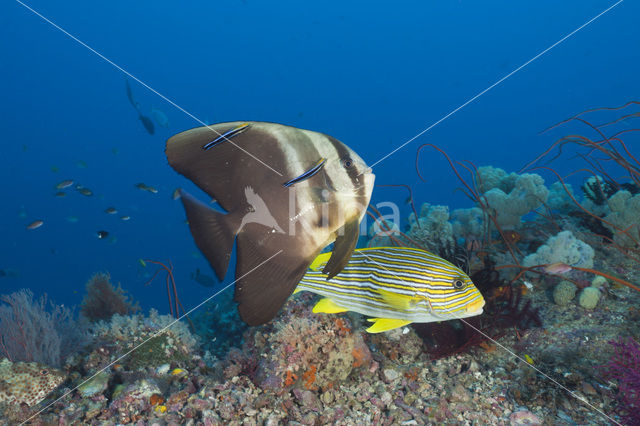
(212, 231)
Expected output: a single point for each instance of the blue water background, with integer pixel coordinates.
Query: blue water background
(372, 74)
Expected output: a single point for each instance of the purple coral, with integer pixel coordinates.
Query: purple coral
(37, 330)
(624, 366)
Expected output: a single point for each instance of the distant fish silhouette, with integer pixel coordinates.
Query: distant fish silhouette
(203, 279)
(147, 123)
(159, 117)
(132, 100)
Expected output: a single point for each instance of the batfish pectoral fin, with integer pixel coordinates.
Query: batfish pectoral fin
(328, 306)
(397, 300)
(385, 324)
(342, 248)
(212, 231)
(268, 274)
(320, 261)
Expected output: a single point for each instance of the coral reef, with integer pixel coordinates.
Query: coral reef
(624, 367)
(511, 196)
(564, 292)
(624, 215)
(565, 248)
(166, 341)
(103, 300)
(218, 325)
(432, 230)
(34, 330)
(589, 297)
(301, 351)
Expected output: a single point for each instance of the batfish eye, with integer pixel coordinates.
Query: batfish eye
(458, 284)
(347, 162)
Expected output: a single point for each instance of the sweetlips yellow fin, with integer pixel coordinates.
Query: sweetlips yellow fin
(320, 261)
(297, 290)
(398, 301)
(328, 306)
(385, 324)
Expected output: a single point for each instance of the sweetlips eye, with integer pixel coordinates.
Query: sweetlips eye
(347, 162)
(458, 284)
(44, 372)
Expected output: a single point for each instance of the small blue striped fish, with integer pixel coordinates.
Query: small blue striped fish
(395, 286)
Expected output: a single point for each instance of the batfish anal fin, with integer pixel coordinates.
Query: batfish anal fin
(328, 306)
(342, 248)
(266, 279)
(212, 231)
(320, 261)
(385, 324)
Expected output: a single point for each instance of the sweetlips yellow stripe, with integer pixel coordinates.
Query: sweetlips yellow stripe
(396, 286)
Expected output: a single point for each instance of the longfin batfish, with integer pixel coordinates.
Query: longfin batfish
(395, 286)
(279, 230)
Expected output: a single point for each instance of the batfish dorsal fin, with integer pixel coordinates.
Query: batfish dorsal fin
(220, 170)
(213, 232)
(342, 248)
(265, 281)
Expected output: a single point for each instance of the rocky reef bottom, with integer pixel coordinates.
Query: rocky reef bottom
(310, 369)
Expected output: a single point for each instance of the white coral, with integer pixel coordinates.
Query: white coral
(527, 194)
(565, 248)
(625, 215)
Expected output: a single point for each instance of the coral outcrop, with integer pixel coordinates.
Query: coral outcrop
(565, 248)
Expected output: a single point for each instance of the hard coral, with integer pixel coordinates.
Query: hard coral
(624, 366)
(301, 349)
(103, 300)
